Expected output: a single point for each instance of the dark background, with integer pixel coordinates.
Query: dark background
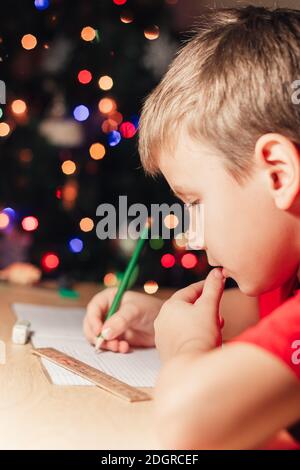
(46, 79)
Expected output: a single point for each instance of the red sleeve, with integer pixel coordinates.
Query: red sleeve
(279, 333)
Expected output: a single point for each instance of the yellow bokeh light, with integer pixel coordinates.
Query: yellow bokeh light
(171, 221)
(4, 129)
(107, 105)
(88, 33)
(29, 41)
(68, 167)
(110, 280)
(150, 287)
(86, 224)
(105, 82)
(180, 241)
(4, 220)
(18, 106)
(151, 33)
(97, 151)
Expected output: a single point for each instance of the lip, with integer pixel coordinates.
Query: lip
(225, 273)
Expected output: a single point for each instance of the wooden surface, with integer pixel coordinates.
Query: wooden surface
(35, 414)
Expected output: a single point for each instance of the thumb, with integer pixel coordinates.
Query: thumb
(213, 288)
(117, 325)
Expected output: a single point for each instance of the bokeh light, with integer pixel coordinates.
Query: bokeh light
(97, 151)
(88, 33)
(109, 125)
(50, 261)
(110, 280)
(171, 221)
(29, 41)
(30, 223)
(156, 243)
(41, 4)
(105, 82)
(126, 17)
(76, 245)
(167, 260)
(180, 241)
(4, 129)
(114, 138)
(10, 212)
(119, 2)
(81, 113)
(189, 261)
(84, 77)
(86, 224)
(150, 287)
(127, 130)
(4, 220)
(152, 32)
(107, 105)
(18, 106)
(68, 167)
(25, 155)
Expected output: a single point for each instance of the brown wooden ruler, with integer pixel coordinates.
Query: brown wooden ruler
(99, 378)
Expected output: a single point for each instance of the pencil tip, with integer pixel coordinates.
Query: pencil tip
(98, 343)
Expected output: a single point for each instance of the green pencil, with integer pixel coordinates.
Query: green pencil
(125, 280)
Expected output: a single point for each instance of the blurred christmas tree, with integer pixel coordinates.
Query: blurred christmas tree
(76, 73)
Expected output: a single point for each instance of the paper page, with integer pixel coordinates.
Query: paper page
(61, 328)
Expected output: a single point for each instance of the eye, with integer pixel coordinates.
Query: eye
(193, 204)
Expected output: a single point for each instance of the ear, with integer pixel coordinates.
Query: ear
(279, 159)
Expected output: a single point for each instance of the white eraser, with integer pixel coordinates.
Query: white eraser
(20, 332)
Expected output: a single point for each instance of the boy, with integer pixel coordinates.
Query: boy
(223, 129)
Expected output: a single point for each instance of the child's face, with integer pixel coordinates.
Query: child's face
(244, 231)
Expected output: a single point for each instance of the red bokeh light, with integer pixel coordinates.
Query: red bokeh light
(50, 261)
(127, 130)
(189, 261)
(84, 77)
(167, 260)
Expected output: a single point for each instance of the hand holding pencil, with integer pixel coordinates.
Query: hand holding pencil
(131, 324)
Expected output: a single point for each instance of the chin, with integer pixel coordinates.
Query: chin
(251, 290)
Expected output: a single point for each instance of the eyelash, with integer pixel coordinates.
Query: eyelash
(193, 204)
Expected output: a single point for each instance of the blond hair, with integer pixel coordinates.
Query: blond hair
(229, 84)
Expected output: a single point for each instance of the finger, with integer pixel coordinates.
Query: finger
(88, 332)
(116, 346)
(120, 321)
(98, 307)
(213, 288)
(190, 293)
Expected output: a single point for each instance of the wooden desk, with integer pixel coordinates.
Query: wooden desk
(35, 414)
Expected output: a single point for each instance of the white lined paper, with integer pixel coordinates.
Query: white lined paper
(61, 328)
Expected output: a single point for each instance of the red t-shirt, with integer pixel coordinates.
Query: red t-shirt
(278, 330)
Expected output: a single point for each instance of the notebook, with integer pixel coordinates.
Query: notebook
(61, 328)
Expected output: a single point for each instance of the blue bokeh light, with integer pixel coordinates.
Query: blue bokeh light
(41, 4)
(81, 113)
(76, 245)
(114, 138)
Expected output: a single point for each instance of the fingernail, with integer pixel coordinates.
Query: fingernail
(218, 274)
(106, 333)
